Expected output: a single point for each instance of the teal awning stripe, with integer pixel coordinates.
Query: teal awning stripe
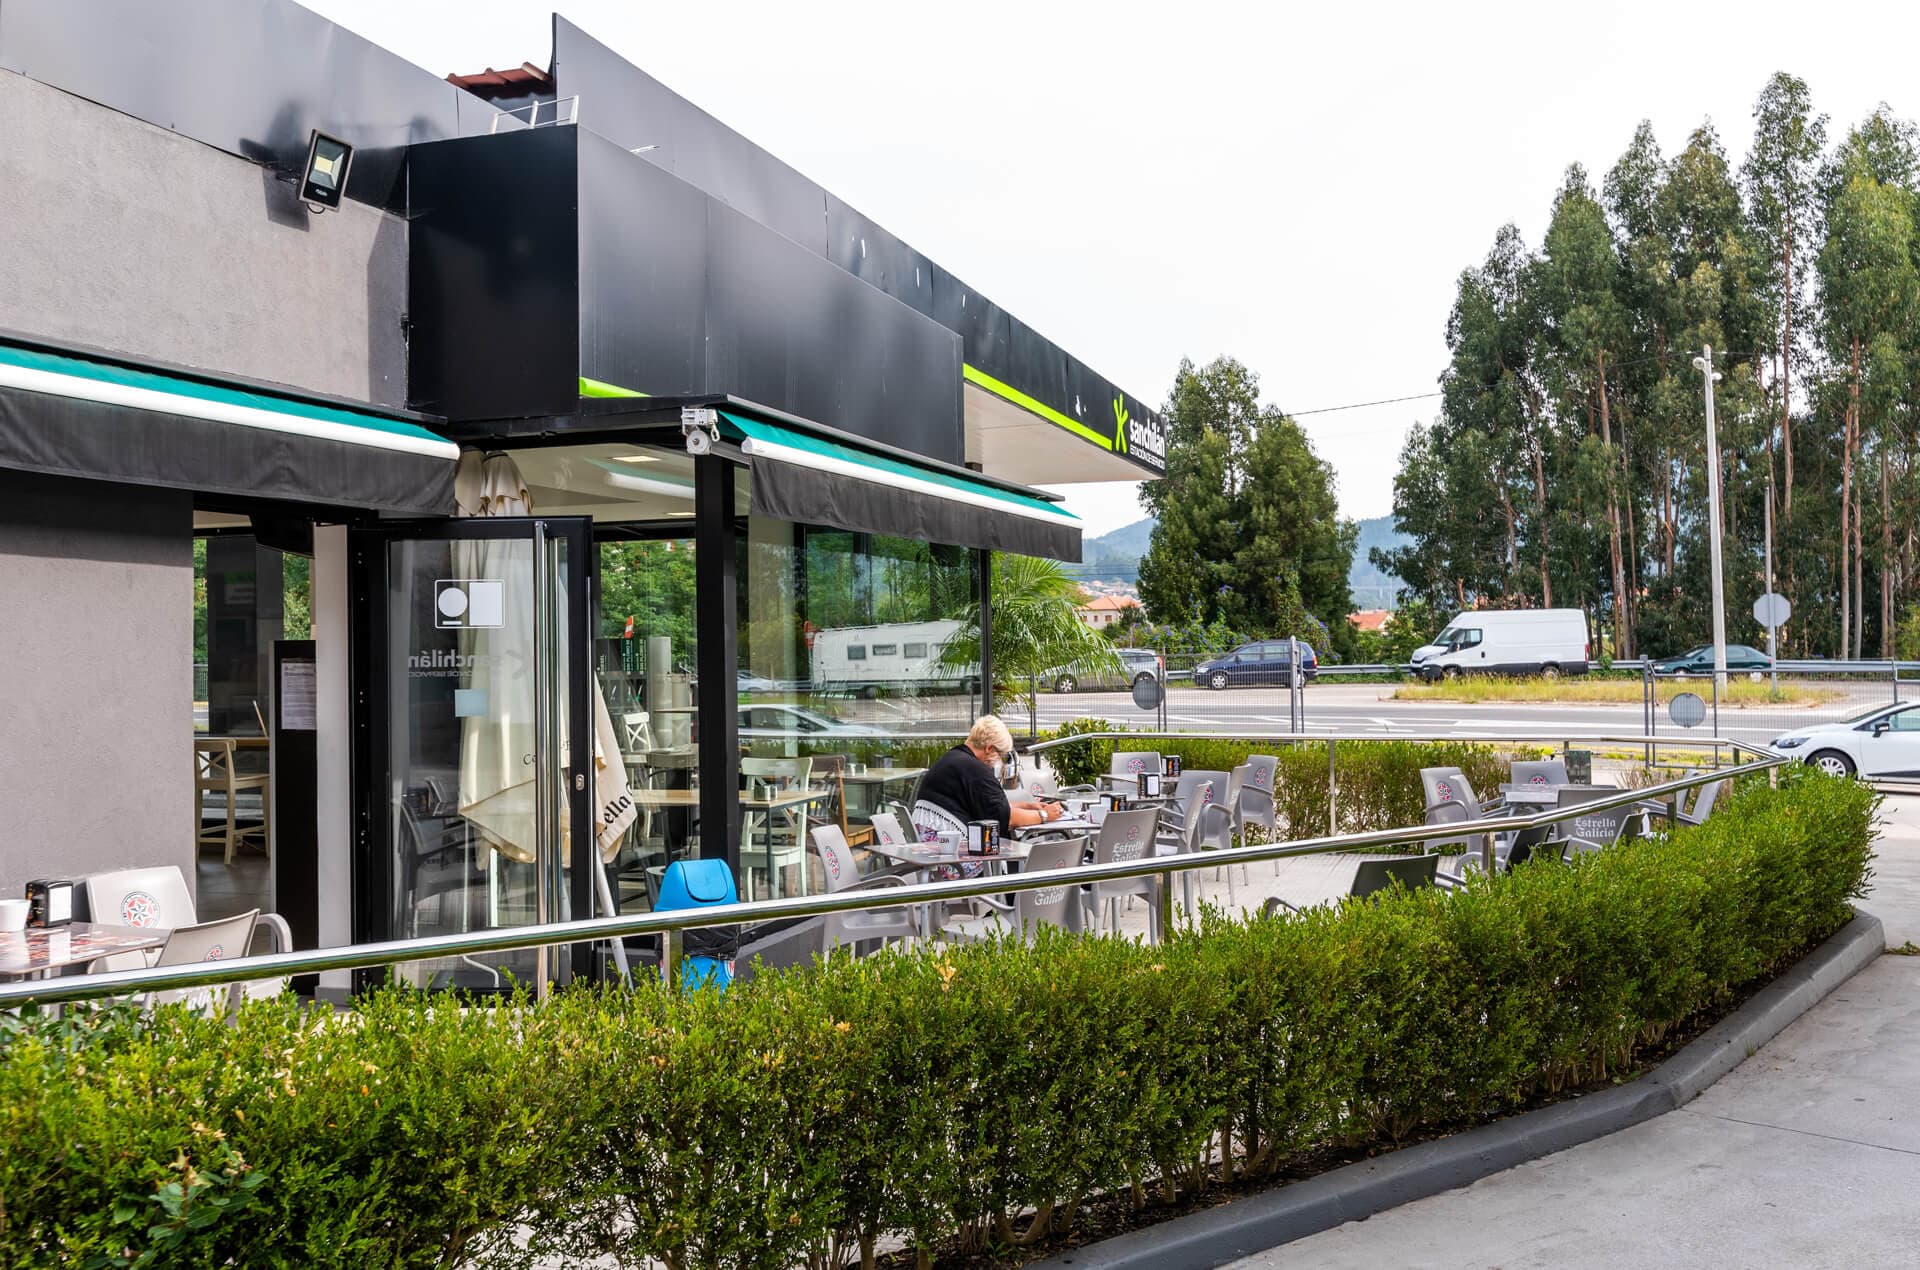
(407, 435)
(743, 428)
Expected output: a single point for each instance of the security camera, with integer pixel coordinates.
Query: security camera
(701, 428)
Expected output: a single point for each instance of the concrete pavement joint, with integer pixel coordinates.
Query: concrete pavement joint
(1808, 1133)
(1217, 1236)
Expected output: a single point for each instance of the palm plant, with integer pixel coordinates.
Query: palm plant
(1036, 628)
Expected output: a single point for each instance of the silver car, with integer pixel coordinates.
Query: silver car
(1136, 664)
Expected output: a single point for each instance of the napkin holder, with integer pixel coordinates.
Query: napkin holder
(50, 903)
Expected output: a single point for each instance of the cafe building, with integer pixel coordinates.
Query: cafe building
(551, 475)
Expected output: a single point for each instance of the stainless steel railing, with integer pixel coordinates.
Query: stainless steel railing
(671, 925)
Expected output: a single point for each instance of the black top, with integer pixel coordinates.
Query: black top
(965, 786)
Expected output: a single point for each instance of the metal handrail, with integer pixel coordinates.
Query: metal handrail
(671, 924)
(1638, 740)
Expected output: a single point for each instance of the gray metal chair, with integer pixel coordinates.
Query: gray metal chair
(843, 874)
(790, 945)
(1450, 800)
(1546, 771)
(1125, 835)
(1256, 797)
(1040, 784)
(1220, 832)
(1704, 797)
(1126, 765)
(1047, 906)
(1373, 876)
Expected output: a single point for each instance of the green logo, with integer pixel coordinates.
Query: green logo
(1119, 426)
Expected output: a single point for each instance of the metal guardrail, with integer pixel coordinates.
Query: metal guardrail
(672, 924)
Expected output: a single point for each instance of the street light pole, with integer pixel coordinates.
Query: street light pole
(1773, 673)
(1704, 363)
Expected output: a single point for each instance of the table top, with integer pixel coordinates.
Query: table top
(1066, 824)
(1549, 795)
(247, 742)
(882, 775)
(931, 853)
(29, 952)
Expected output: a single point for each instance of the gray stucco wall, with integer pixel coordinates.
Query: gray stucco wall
(96, 678)
(121, 235)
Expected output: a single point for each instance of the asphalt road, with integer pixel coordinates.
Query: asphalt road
(1338, 707)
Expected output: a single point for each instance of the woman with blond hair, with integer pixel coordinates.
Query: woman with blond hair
(961, 786)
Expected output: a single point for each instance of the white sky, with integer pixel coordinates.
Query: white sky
(1296, 186)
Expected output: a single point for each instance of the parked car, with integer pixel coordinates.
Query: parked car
(750, 682)
(1699, 661)
(1883, 742)
(784, 722)
(1545, 642)
(1261, 663)
(1136, 664)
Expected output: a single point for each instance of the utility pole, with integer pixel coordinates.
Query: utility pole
(1773, 673)
(1704, 363)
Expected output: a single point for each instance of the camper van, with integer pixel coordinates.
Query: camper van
(1547, 642)
(899, 659)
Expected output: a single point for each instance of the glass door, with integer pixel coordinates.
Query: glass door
(472, 677)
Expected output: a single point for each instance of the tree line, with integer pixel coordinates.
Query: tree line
(1567, 464)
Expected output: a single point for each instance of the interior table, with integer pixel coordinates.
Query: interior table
(872, 782)
(40, 952)
(774, 801)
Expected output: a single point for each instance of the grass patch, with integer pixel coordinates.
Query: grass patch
(1740, 694)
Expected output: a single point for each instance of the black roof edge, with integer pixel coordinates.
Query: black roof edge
(605, 418)
(214, 378)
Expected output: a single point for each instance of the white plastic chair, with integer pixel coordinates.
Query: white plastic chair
(1126, 766)
(1048, 906)
(843, 874)
(789, 829)
(887, 831)
(1126, 835)
(158, 897)
(218, 940)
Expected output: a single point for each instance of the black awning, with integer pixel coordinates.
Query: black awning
(802, 477)
(63, 415)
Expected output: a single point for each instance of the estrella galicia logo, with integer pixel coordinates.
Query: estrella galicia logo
(1142, 438)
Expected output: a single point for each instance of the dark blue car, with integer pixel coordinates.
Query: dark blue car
(1262, 663)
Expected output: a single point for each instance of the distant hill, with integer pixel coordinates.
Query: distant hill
(1115, 557)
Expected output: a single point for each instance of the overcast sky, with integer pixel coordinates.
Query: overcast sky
(1295, 186)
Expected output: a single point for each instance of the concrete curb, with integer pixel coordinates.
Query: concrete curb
(1243, 1227)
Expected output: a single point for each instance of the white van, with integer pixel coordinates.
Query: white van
(1548, 642)
(901, 659)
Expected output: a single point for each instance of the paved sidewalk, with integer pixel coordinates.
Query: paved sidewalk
(1807, 1155)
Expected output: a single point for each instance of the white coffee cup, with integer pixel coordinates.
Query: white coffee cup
(13, 914)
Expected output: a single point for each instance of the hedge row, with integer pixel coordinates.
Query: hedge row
(947, 1097)
(1379, 780)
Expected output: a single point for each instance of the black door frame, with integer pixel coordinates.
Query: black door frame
(371, 862)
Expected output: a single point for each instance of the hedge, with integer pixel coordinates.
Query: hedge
(1379, 780)
(963, 1097)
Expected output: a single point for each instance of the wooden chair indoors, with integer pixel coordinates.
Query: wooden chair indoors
(214, 772)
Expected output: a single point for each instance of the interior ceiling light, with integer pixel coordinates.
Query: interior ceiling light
(679, 513)
(325, 179)
(636, 458)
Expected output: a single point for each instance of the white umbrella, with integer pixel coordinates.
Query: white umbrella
(497, 772)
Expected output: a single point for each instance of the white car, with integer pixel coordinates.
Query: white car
(760, 722)
(1882, 743)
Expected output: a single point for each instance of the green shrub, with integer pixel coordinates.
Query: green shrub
(972, 1095)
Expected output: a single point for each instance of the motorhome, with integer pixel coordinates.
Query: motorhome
(898, 659)
(1548, 642)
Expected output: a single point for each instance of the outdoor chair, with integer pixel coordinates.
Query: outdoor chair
(1534, 843)
(214, 771)
(788, 830)
(1545, 771)
(218, 940)
(158, 896)
(1628, 824)
(842, 874)
(1256, 798)
(1048, 906)
(1451, 800)
(709, 951)
(1193, 815)
(1373, 876)
(1041, 784)
(783, 945)
(1696, 813)
(1219, 832)
(887, 830)
(1126, 766)
(1125, 835)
